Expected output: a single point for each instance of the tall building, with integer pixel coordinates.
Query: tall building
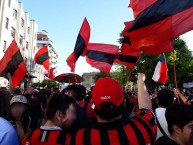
(42, 40)
(16, 24)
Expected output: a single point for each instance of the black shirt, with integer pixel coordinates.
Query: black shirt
(165, 140)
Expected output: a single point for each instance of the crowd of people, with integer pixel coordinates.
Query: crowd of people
(107, 115)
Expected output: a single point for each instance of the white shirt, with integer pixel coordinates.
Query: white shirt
(160, 113)
(50, 128)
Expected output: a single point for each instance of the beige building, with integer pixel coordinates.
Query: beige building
(89, 79)
(16, 24)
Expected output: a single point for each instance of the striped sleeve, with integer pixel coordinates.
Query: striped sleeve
(148, 119)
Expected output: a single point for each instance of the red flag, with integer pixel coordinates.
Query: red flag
(158, 48)
(162, 21)
(50, 74)
(126, 44)
(140, 5)
(13, 63)
(42, 57)
(101, 56)
(80, 46)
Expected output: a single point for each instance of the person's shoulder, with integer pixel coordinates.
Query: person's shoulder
(6, 125)
(145, 118)
(3, 121)
(165, 140)
(146, 113)
(8, 133)
(160, 110)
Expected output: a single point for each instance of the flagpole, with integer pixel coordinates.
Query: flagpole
(175, 78)
(75, 78)
(128, 78)
(47, 78)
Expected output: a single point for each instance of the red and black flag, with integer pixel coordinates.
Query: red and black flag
(162, 21)
(166, 46)
(80, 46)
(158, 48)
(126, 44)
(13, 63)
(42, 57)
(126, 58)
(101, 56)
(140, 5)
(50, 73)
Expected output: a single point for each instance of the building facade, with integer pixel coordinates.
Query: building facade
(89, 79)
(42, 40)
(16, 24)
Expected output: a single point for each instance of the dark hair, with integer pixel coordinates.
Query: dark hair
(43, 98)
(165, 97)
(60, 102)
(17, 91)
(178, 114)
(78, 91)
(5, 110)
(35, 112)
(108, 110)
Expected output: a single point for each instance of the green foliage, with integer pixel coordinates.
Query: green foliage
(121, 74)
(36, 85)
(99, 75)
(146, 64)
(49, 83)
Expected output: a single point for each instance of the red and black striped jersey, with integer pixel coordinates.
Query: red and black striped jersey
(139, 130)
(45, 137)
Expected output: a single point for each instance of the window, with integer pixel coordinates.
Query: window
(21, 40)
(27, 45)
(25, 60)
(15, 13)
(22, 22)
(12, 32)
(7, 23)
(34, 49)
(4, 46)
(28, 30)
(9, 3)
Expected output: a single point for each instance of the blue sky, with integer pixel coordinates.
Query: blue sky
(62, 19)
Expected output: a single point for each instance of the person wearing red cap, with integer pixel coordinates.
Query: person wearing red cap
(113, 129)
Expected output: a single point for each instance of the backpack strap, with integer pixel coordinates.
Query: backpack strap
(159, 125)
(84, 109)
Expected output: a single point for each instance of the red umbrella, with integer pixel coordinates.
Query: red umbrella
(69, 78)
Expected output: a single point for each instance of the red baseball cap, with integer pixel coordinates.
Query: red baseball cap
(107, 90)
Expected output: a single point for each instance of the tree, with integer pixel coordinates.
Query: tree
(99, 75)
(37, 85)
(146, 64)
(49, 83)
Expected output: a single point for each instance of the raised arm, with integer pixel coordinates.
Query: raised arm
(143, 96)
